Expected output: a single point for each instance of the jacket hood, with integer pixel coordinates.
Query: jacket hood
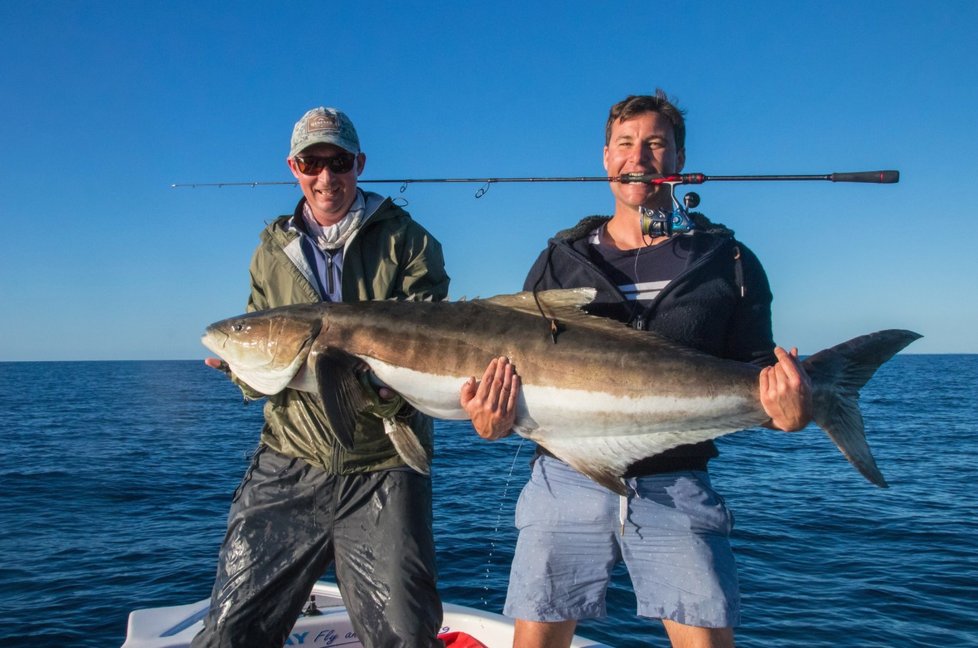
(284, 228)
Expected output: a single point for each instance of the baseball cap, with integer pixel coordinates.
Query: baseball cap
(324, 126)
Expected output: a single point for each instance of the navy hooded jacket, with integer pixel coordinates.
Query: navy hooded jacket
(720, 304)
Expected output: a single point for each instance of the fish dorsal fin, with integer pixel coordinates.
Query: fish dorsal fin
(553, 302)
(566, 306)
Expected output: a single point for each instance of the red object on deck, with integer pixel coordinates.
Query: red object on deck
(461, 640)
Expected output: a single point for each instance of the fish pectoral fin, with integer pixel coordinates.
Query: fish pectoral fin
(341, 392)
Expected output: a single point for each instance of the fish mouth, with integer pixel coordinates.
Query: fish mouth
(209, 339)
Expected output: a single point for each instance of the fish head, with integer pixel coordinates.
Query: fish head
(265, 349)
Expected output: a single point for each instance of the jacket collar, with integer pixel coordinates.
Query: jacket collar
(589, 223)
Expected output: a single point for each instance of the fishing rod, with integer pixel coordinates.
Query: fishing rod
(654, 222)
(879, 177)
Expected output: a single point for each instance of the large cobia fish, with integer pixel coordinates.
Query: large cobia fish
(597, 394)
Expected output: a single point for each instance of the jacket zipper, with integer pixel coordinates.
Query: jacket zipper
(329, 273)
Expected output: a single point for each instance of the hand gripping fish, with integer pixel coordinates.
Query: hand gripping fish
(601, 398)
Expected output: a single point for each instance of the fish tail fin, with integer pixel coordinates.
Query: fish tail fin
(407, 445)
(837, 374)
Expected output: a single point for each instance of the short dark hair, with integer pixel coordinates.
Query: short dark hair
(635, 105)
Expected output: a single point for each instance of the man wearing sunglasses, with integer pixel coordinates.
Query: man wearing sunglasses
(307, 502)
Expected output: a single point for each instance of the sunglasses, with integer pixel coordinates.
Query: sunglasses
(314, 164)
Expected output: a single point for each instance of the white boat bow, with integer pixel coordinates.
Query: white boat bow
(324, 623)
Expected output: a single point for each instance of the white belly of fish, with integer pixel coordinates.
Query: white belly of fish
(435, 395)
(543, 412)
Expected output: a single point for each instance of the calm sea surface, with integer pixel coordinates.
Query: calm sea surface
(118, 478)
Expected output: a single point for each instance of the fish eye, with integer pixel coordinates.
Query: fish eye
(237, 328)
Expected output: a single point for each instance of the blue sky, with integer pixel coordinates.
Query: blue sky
(106, 104)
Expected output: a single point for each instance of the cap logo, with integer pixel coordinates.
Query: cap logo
(323, 122)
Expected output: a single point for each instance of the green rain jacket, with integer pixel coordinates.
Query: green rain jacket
(390, 257)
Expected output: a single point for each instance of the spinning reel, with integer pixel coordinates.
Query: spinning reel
(656, 223)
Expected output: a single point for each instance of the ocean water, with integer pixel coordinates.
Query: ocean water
(118, 475)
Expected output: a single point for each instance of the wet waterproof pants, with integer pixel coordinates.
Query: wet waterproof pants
(289, 520)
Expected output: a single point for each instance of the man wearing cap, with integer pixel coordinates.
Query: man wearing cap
(306, 501)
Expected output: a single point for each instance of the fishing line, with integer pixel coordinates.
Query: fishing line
(499, 519)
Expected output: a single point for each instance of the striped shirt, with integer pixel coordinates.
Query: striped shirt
(643, 273)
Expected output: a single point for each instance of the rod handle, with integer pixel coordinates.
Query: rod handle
(878, 177)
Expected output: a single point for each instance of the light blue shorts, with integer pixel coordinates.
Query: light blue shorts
(675, 545)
